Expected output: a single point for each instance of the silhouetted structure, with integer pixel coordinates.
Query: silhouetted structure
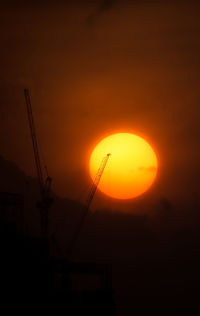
(86, 208)
(82, 288)
(45, 186)
(12, 210)
(35, 284)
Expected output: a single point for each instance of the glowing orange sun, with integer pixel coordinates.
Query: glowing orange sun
(131, 169)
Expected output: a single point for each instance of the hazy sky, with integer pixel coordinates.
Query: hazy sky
(98, 67)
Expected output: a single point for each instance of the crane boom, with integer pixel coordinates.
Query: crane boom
(89, 201)
(34, 139)
(96, 181)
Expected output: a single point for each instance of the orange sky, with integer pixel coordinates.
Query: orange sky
(97, 69)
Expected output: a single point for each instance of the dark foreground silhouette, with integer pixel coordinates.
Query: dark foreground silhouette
(32, 283)
(152, 264)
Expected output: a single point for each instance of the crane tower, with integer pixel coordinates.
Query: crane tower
(45, 185)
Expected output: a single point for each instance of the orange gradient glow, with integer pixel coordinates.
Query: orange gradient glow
(131, 168)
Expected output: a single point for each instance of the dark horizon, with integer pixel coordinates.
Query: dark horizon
(152, 256)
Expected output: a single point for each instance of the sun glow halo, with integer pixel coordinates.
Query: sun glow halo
(131, 168)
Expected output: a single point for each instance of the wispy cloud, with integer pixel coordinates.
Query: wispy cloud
(148, 169)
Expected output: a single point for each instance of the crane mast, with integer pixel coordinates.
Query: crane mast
(89, 201)
(34, 139)
(45, 186)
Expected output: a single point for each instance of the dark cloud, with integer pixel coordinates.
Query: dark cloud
(103, 7)
(166, 204)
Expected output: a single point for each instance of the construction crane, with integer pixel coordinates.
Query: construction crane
(89, 199)
(96, 181)
(45, 185)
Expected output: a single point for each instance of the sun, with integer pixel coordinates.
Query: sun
(131, 169)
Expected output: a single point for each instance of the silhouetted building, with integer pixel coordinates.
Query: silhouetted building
(12, 211)
(83, 288)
